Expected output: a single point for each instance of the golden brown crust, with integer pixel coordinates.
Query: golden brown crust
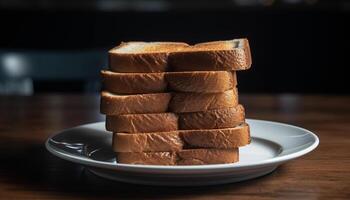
(207, 156)
(147, 60)
(131, 104)
(145, 83)
(133, 83)
(212, 119)
(227, 138)
(155, 62)
(155, 142)
(142, 123)
(196, 102)
(163, 122)
(202, 57)
(156, 57)
(149, 158)
(184, 157)
(201, 82)
(176, 140)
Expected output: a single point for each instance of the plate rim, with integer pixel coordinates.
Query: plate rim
(232, 166)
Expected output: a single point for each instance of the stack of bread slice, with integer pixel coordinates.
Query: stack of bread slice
(170, 103)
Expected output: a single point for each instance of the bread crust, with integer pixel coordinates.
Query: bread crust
(234, 59)
(142, 123)
(182, 57)
(147, 158)
(228, 138)
(207, 156)
(142, 61)
(130, 104)
(163, 122)
(148, 142)
(133, 83)
(155, 62)
(196, 102)
(201, 81)
(212, 119)
(183, 157)
(146, 83)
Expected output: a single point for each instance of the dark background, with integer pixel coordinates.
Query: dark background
(297, 46)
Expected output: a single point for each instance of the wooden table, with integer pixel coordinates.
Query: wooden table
(28, 171)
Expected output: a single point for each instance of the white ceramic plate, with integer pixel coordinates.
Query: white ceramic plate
(272, 144)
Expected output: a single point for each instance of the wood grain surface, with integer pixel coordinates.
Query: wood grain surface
(28, 171)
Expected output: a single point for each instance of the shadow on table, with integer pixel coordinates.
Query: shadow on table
(33, 168)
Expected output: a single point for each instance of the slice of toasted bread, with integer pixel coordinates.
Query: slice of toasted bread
(133, 83)
(163, 122)
(229, 55)
(175, 140)
(201, 81)
(183, 157)
(142, 123)
(142, 56)
(212, 119)
(196, 102)
(112, 104)
(145, 83)
(226, 138)
(207, 156)
(147, 142)
(148, 158)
